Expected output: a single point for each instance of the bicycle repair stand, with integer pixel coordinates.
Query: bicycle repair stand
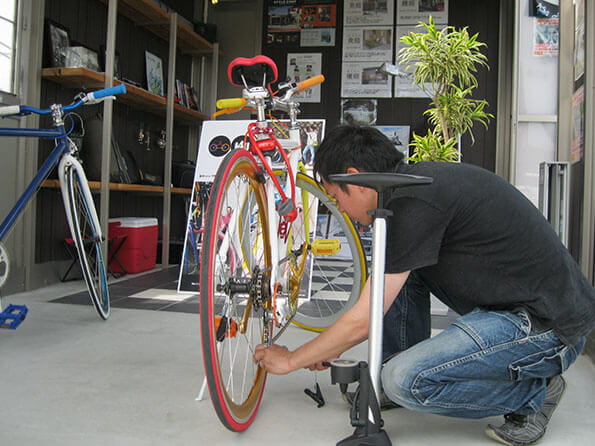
(365, 410)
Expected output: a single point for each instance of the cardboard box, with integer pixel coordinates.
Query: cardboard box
(139, 250)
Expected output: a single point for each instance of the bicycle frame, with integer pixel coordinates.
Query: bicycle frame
(52, 160)
(282, 212)
(279, 220)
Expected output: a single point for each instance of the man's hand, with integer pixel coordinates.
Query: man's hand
(273, 359)
(322, 365)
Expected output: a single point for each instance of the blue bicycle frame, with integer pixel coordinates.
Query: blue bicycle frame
(44, 171)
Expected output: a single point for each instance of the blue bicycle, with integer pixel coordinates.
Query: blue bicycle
(78, 201)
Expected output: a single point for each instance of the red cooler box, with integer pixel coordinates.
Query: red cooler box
(139, 250)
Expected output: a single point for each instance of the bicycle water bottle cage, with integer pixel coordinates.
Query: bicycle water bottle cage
(258, 71)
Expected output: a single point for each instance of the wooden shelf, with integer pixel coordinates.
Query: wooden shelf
(156, 20)
(136, 97)
(95, 185)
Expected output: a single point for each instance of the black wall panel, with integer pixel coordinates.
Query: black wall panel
(86, 21)
(480, 16)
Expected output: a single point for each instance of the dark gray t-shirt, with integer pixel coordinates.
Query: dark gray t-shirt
(488, 246)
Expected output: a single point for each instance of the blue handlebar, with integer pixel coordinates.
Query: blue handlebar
(118, 89)
(15, 110)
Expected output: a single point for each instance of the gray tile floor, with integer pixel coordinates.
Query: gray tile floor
(68, 378)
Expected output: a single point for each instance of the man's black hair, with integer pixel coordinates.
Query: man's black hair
(365, 148)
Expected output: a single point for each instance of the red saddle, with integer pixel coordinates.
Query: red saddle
(256, 71)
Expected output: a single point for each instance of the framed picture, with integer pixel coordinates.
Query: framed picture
(58, 39)
(79, 55)
(154, 73)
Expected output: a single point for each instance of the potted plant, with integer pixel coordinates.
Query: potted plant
(444, 65)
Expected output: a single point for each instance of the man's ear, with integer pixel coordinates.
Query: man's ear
(355, 170)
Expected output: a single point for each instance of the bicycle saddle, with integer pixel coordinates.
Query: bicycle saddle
(379, 180)
(258, 71)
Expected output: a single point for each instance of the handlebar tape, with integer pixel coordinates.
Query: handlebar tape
(231, 103)
(118, 89)
(310, 82)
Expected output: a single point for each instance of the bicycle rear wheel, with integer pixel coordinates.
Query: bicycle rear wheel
(331, 283)
(86, 235)
(234, 290)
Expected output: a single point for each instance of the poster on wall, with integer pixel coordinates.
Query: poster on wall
(546, 37)
(301, 66)
(295, 23)
(366, 12)
(284, 24)
(398, 135)
(368, 43)
(317, 37)
(319, 15)
(359, 111)
(364, 80)
(411, 12)
(544, 8)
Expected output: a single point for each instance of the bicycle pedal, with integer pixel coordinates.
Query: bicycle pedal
(326, 247)
(12, 316)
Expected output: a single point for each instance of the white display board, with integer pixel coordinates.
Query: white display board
(217, 139)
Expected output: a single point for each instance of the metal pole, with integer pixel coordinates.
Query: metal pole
(106, 138)
(169, 124)
(377, 303)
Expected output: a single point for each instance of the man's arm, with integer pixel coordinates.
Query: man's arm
(349, 330)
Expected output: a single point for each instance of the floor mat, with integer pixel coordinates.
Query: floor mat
(157, 291)
(153, 291)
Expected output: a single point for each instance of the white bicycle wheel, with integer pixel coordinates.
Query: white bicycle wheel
(86, 232)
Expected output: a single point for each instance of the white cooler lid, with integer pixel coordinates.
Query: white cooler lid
(134, 222)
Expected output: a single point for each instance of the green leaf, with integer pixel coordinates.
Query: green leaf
(446, 59)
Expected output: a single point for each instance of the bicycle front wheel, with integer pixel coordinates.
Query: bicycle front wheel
(332, 281)
(234, 290)
(86, 235)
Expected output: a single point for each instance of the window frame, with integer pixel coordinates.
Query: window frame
(10, 97)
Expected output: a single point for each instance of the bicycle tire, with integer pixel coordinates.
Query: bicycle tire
(232, 324)
(86, 235)
(336, 281)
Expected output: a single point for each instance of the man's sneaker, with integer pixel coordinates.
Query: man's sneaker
(385, 402)
(523, 430)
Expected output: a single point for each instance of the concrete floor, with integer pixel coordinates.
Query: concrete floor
(68, 378)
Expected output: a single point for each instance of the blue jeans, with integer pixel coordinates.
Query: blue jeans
(486, 363)
(407, 321)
